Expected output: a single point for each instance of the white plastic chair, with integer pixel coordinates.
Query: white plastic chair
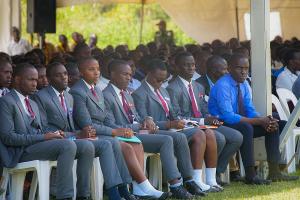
(285, 96)
(18, 173)
(97, 180)
(155, 169)
(290, 145)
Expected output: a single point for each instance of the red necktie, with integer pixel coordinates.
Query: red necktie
(196, 112)
(28, 106)
(94, 92)
(163, 103)
(62, 101)
(126, 107)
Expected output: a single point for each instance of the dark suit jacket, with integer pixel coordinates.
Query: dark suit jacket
(52, 114)
(204, 82)
(115, 107)
(148, 104)
(17, 129)
(89, 111)
(181, 100)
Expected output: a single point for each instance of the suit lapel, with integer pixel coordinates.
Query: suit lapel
(118, 101)
(152, 95)
(91, 96)
(69, 106)
(21, 108)
(57, 103)
(182, 87)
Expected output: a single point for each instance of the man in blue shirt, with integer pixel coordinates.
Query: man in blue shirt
(230, 99)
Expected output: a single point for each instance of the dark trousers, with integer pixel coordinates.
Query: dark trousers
(249, 132)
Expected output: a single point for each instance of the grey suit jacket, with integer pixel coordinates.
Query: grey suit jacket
(148, 104)
(115, 108)
(52, 114)
(17, 129)
(181, 100)
(89, 111)
(204, 82)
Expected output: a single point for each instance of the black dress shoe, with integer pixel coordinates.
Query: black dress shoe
(282, 177)
(180, 193)
(164, 196)
(219, 181)
(194, 189)
(131, 197)
(145, 197)
(236, 177)
(83, 198)
(257, 181)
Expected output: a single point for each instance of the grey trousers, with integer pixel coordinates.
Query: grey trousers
(162, 144)
(182, 152)
(229, 141)
(120, 161)
(112, 163)
(64, 152)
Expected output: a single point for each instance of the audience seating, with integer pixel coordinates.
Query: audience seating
(290, 145)
(155, 169)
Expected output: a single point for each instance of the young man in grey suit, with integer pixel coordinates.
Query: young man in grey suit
(89, 110)
(5, 76)
(152, 100)
(187, 97)
(21, 129)
(56, 108)
(120, 105)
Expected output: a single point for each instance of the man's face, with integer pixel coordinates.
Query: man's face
(5, 75)
(186, 67)
(239, 70)
(16, 34)
(122, 76)
(42, 78)
(296, 61)
(157, 78)
(73, 78)
(90, 71)
(219, 69)
(59, 78)
(84, 52)
(27, 82)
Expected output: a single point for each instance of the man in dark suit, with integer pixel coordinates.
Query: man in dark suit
(216, 68)
(20, 128)
(187, 97)
(121, 106)
(5, 76)
(56, 108)
(231, 100)
(89, 110)
(152, 100)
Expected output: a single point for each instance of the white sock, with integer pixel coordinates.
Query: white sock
(147, 188)
(197, 176)
(211, 176)
(136, 190)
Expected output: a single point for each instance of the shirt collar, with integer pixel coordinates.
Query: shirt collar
(117, 90)
(21, 96)
(88, 85)
(185, 82)
(209, 81)
(150, 86)
(56, 92)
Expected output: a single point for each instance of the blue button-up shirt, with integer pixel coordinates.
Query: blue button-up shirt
(223, 100)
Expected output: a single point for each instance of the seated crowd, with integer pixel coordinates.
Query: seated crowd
(81, 102)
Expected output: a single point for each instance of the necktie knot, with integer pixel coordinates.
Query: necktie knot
(163, 102)
(94, 92)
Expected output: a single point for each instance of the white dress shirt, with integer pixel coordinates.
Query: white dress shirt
(186, 84)
(286, 79)
(58, 96)
(196, 76)
(22, 99)
(153, 90)
(18, 48)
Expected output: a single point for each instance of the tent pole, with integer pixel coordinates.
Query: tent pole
(237, 20)
(142, 21)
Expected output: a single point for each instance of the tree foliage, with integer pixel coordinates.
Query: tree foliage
(113, 23)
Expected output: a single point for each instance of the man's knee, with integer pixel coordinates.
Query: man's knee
(66, 146)
(85, 147)
(246, 129)
(199, 137)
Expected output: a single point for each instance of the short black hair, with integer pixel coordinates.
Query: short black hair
(181, 55)
(85, 60)
(114, 65)
(289, 55)
(50, 68)
(21, 68)
(234, 57)
(156, 64)
(4, 62)
(72, 68)
(212, 60)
